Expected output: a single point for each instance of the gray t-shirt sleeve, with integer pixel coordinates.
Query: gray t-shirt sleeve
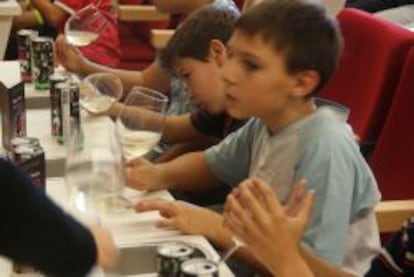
(229, 160)
(344, 186)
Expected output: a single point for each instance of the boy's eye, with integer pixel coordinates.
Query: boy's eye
(250, 66)
(186, 76)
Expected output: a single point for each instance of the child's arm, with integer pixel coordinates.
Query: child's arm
(191, 219)
(188, 172)
(180, 149)
(27, 20)
(152, 77)
(54, 15)
(179, 6)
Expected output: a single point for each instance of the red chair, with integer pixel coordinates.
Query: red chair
(136, 50)
(393, 158)
(368, 71)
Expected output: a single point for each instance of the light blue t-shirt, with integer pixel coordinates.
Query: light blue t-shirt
(321, 149)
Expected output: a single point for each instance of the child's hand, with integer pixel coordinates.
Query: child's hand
(143, 175)
(254, 214)
(68, 55)
(185, 217)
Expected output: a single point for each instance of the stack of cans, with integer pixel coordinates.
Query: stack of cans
(65, 109)
(30, 157)
(36, 58)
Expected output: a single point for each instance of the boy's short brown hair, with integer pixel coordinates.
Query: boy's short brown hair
(308, 37)
(192, 39)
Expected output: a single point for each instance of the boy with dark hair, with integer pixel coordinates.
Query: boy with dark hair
(281, 53)
(198, 66)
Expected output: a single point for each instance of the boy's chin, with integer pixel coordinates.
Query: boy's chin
(237, 114)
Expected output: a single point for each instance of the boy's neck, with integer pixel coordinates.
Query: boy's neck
(289, 115)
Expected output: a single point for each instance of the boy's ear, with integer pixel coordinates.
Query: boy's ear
(218, 51)
(305, 82)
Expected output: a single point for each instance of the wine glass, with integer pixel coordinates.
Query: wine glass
(84, 26)
(99, 91)
(94, 176)
(141, 121)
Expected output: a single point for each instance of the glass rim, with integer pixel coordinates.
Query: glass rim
(149, 92)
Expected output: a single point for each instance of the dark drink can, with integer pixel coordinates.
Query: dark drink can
(55, 103)
(42, 61)
(199, 267)
(170, 256)
(30, 157)
(24, 45)
(71, 121)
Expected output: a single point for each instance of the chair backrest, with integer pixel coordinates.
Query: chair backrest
(393, 158)
(368, 70)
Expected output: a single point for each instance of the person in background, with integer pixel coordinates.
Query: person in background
(30, 18)
(154, 76)
(104, 50)
(36, 232)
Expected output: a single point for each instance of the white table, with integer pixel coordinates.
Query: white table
(39, 126)
(8, 9)
(130, 229)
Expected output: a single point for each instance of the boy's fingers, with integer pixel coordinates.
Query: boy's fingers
(251, 203)
(268, 195)
(305, 211)
(236, 210)
(166, 208)
(166, 224)
(296, 197)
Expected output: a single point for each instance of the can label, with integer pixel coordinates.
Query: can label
(42, 61)
(24, 44)
(55, 104)
(170, 256)
(31, 159)
(13, 107)
(71, 121)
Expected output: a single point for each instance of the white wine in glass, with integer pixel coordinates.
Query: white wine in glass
(141, 121)
(84, 27)
(99, 91)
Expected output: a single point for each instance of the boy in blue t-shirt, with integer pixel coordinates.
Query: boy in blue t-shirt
(281, 54)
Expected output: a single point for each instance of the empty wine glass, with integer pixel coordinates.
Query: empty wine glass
(99, 91)
(141, 121)
(85, 26)
(94, 175)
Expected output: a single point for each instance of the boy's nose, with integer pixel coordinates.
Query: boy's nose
(227, 73)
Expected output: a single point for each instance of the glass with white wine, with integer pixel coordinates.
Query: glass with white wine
(85, 26)
(99, 92)
(141, 121)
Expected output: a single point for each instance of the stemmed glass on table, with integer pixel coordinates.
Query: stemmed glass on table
(140, 123)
